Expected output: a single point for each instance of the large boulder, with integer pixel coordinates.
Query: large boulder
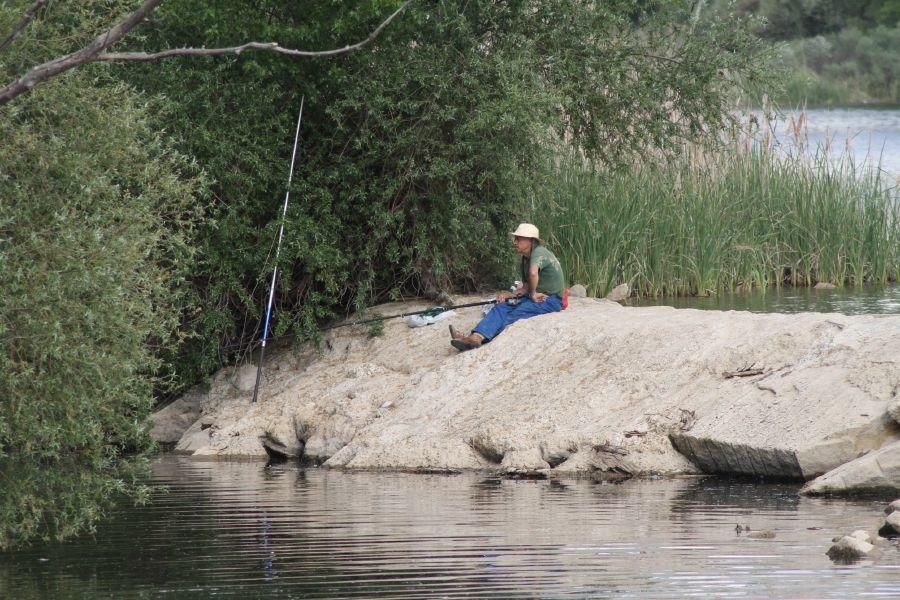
(171, 422)
(578, 291)
(596, 388)
(891, 526)
(876, 472)
(894, 410)
(850, 548)
(619, 293)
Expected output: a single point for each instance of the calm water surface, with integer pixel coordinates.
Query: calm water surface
(241, 530)
(871, 136)
(848, 301)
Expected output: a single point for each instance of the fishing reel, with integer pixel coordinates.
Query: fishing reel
(515, 300)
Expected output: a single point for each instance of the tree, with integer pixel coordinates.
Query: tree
(96, 225)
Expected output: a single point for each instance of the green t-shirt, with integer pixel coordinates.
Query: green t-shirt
(550, 274)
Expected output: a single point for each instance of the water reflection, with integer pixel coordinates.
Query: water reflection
(58, 500)
(237, 529)
(848, 301)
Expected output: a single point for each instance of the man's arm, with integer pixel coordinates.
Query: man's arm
(516, 293)
(533, 278)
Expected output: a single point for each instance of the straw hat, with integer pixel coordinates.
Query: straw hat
(527, 230)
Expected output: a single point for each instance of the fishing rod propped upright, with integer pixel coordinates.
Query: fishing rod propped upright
(287, 198)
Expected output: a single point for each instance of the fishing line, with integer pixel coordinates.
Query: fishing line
(287, 198)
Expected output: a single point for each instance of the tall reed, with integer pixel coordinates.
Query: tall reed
(705, 223)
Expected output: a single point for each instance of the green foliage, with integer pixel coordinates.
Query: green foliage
(376, 329)
(736, 220)
(96, 219)
(848, 67)
(809, 18)
(56, 502)
(417, 153)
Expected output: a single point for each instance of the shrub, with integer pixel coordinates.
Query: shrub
(96, 216)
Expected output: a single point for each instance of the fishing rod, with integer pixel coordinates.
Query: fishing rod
(287, 198)
(428, 312)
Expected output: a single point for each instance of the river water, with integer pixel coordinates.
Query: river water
(868, 136)
(243, 530)
(873, 300)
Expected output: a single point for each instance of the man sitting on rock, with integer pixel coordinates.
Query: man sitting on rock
(540, 293)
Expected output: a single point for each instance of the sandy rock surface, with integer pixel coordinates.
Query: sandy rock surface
(877, 471)
(596, 387)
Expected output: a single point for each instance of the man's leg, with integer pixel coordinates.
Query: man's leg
(529, 308)
(493, 322)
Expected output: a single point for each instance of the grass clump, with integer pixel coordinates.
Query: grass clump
(705, 224)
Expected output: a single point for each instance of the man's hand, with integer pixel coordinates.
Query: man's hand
(538, 297)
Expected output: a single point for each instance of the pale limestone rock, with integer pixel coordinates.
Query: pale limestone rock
(891, 527)
(892, 507)
(578, 464)
(577, 291)
(245, 378)
(894, 409)
(616, 383)
(766, 534)
(862, 535)
(878, 470)
(195, 438)
(849, 549)
(282, 437)
(526, 460)
(619, 293)
(171, 422)
(557, 452)
(326, 441)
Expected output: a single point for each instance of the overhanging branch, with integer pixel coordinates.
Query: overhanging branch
(95, 51)
(237, 50)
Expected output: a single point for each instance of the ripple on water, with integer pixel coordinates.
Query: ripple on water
(240, 530)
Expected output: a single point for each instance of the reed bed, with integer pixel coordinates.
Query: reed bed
(732, 221)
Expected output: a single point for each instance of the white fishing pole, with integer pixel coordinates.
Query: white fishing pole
(287, 198)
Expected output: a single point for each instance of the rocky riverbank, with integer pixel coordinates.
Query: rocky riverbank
(599, 389)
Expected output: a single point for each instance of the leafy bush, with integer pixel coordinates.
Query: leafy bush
(96, 218)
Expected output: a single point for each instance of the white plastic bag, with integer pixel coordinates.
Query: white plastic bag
(423, 320)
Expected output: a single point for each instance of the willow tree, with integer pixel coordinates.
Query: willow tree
(98, 214)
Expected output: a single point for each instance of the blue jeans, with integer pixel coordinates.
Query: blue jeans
(503, 314)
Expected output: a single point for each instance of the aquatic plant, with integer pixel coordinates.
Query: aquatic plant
(743, 217)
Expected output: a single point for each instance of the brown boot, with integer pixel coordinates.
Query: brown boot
(456, 334)
(467, 342)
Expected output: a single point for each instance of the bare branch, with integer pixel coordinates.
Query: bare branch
(237, 50)
(23, 22)
(59, 65)
(95, 51)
